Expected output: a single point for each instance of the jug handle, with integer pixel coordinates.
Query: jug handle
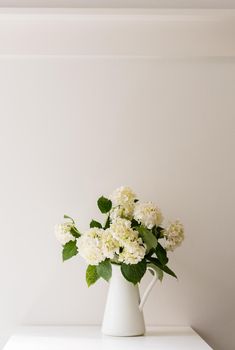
(149, 288)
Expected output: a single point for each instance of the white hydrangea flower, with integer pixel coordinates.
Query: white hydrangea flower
(133, 253)
(123, 201)
(122, 196)
(133, 247)
(122, 212)
(90, 246)
(62, 233)
(110, 246)
(115, 213)
(148, 214)
(122, 231)
(174, 235)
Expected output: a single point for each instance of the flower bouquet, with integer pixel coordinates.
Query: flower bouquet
(132, 236)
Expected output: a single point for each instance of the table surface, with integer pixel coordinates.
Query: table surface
(90, 337)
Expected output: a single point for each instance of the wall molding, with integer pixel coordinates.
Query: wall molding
(118, 32)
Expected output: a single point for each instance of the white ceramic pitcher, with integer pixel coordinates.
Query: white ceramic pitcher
(123, 316)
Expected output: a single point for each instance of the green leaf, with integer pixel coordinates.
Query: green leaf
(104, 270)
(158, 271)
(161, 254)
(74, 231)
(150, 253)
(104, 204)
(68, 217)
(91, 275)
(134, 273)
(107, 223)
(148, 237)
(69, 250)
(169, 271)
(162, 267)
(95, 223)
(158, 231)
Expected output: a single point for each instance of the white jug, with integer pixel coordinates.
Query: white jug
(123, 316)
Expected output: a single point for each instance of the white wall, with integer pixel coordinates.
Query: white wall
(73, 128)
(120, 3)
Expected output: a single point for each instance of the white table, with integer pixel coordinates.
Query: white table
(90, 338)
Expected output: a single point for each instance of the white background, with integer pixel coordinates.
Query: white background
(120, 3)
(74, 128)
